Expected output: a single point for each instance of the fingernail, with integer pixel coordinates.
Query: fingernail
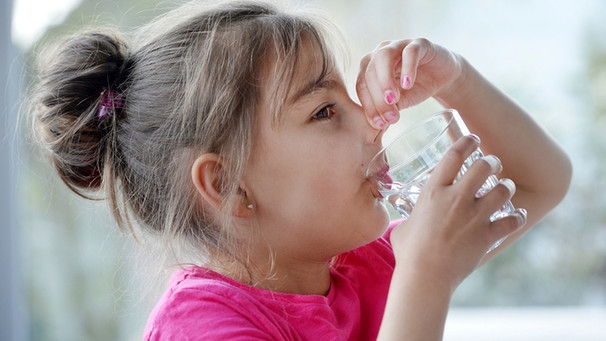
(495, 163)
(511, 186)
(391, 117)
(522, 216)
(476, 138)
(378, 122)
(390, 97)
(405, 82)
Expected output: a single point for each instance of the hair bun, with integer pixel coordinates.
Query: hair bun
(75, 78)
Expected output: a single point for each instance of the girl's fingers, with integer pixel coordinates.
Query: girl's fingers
(384, 73)
(447, 169)
(412, 54)
(401, 73)
(365, 96)
(494, 199)
(372, 116)
(384, 98)
(474, 180)
(479, 171)
(505, 226)
(377, 84)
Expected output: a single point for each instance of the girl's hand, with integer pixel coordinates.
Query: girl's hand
(399, 74)
(449, 230)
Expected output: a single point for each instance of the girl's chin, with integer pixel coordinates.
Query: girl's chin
(383, 219)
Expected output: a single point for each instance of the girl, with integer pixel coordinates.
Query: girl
(227, 132)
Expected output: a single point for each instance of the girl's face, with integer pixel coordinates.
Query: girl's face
(306, 175)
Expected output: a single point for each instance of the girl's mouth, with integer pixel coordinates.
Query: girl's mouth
(375, 190)
(380, 179)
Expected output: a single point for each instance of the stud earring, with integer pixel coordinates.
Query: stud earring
(250, 206)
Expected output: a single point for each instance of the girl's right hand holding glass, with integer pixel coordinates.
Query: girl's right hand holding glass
(449, 231)
(444, 239)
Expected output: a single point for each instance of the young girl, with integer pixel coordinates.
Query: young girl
(227, 132)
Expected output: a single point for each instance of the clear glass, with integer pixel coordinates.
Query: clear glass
(402, 168)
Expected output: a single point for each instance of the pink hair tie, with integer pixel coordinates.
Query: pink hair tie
(109, 103)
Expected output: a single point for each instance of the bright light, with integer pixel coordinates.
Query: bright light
(32, 17)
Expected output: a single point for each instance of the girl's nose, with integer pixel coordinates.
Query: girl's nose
(371, 135)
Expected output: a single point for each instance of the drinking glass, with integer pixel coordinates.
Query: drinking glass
(403, 167)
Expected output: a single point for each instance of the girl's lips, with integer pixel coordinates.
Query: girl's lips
(374, 188)
(382, 176)
(383, 181)
(378, 179)
(383, 172)
(378, 175)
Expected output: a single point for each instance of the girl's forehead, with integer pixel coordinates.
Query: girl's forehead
(312, 67)
(293, 75)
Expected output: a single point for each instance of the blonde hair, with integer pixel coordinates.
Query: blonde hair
(190, 85)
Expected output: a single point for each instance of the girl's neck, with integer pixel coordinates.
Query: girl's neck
(303, 278)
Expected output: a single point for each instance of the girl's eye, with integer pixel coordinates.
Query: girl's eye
(325, 113)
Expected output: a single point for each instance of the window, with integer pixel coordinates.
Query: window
(74, 269)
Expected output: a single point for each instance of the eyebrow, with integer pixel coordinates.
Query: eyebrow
(322, 82)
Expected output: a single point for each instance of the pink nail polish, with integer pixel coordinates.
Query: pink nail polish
(390, 97)
(405, 82)
(391, 117)
(379, 123)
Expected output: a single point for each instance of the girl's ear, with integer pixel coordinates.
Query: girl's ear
(207, 173)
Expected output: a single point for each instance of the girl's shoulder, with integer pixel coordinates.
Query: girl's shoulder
(201, 302)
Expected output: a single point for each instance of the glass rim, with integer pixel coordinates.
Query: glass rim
(453, 112)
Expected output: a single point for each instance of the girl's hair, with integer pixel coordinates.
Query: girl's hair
(128, 121)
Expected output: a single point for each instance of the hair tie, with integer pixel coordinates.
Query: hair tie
(111, 101)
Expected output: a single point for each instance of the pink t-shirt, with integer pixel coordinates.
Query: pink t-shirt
(203, 305)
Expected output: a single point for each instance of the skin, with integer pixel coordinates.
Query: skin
(307, 179)
(461, 230)
(311, 200)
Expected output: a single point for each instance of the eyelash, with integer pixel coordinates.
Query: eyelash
(328, 111)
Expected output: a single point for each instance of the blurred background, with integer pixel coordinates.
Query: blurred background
(67, 273)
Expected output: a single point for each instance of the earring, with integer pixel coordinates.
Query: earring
(250, 206)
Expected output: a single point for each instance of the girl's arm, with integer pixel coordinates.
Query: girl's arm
(530, 157)
(537, 165)
(449, 232)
